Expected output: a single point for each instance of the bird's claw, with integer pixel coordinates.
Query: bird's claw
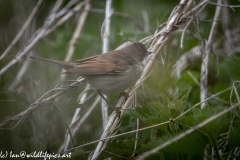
(117, 110)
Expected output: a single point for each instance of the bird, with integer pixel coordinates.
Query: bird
(111, 72)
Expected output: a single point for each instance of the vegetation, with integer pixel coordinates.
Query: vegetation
(187, 107)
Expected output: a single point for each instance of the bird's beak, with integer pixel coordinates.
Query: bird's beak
(149, 52)
(148, 57)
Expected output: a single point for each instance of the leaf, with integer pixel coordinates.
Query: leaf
(234, 140)
(199, 115)
(191, 144)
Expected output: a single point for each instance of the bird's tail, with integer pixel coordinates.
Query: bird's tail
(65, 65)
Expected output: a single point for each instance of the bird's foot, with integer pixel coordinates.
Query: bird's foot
(118, 111)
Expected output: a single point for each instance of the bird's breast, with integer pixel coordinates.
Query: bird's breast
(116, 83)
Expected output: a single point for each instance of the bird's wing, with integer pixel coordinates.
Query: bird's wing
(95, 65)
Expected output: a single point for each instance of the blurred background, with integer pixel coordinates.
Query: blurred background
(132, 20)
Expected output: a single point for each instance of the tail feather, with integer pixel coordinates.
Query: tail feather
(65, 65)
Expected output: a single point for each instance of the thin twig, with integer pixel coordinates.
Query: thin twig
(130, 18)
(223, 5)
(76, 124)
(42, 102)
(190, 21)
(76, 34)
(69, 131)
(115, 136)
(115, 117)
(185, 60)
(48, 24)
(205, 56)
(68, 15)
(212, 96)
(105, 34)
(24, 27)
(20, 74)
(186, 133)
(149, 127)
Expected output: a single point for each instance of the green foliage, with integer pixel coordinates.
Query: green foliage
(166, 108)
(78, 154)
(234, 140)
(169, 107)
(212, 128)
(193, 144)
(43, 126)
(119, 147)
(161, 99)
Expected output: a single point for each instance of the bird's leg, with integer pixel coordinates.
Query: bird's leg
(126, 96)
(100, 94)
(117, 109)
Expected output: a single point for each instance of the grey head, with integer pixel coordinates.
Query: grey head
(136, 51)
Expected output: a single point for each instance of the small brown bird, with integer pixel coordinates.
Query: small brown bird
(112, 72)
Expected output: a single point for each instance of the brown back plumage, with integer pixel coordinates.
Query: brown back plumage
(113, 62)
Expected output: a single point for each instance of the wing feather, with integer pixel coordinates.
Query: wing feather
(94, 66)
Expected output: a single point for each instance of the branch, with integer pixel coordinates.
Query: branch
(185, 60)
(184, 134)
(152, 126)
(105, 34)
(52, 95)
(68, 15)
(20, 74)
(76, 124)
(159, 39)
(76, 34)
(205, 55)
(48, 24)
(24, 27)
(68, 57)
